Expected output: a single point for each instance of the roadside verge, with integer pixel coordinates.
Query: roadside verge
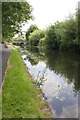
(21, 99)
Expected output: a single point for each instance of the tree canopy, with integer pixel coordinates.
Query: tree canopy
(36, 36)
(31, 29)
(61, 35)
(14, 14)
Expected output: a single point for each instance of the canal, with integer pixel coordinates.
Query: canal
(57, 74)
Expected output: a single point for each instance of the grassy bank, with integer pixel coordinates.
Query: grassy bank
(20, 97)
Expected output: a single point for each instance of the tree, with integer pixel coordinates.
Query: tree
(78, 23)
(51, 41)
(69, 34)
(30, 30)
(66, 33)
(14, 14)
(36, 36)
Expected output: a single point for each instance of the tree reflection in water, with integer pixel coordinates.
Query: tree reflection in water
(58, 73)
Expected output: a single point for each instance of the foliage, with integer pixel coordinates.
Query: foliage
(70, 33)
(42, 42)
(19, 38)
(13, 15)
(51, 41)
(30, 30)
(78, 24)
(64, 34)
(35, 37)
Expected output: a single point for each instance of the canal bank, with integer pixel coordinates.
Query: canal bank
(21, 99)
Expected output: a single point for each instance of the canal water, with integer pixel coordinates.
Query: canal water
(56, 73)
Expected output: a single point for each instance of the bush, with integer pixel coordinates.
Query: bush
(18, 38)
(30, 30)
(42, 42)
(51, 40)
(35, 37)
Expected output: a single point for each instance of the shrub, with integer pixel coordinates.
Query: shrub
(42, 42)
(51, 40)
(35, 37)
(30, 30)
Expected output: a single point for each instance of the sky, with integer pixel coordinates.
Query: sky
(47, 12)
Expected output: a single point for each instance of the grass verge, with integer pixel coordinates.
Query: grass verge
(21, 99)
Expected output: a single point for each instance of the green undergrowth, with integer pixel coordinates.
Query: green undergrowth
(21, 99)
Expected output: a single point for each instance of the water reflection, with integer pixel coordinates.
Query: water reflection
(65, 64)
(57, 74)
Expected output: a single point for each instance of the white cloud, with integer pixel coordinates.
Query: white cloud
(50, 11)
